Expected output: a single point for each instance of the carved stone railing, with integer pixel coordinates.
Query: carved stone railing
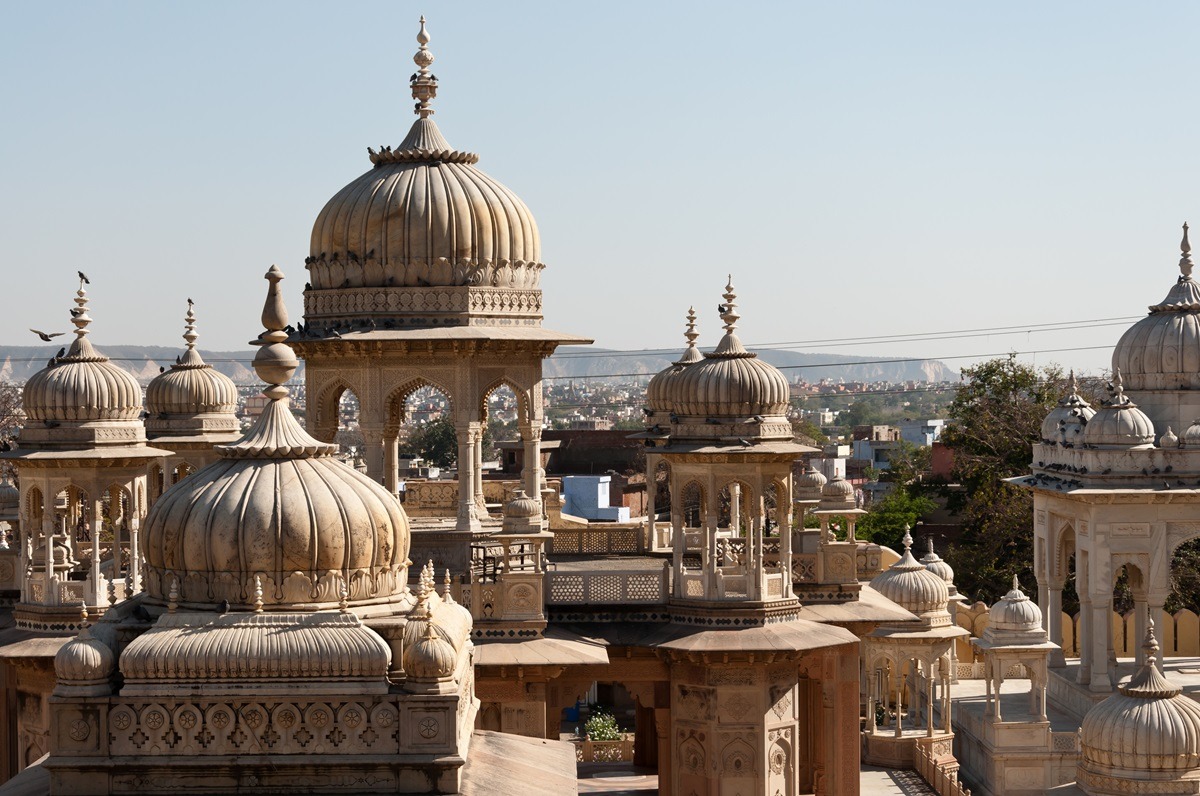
(1064, 741)
(640, 587)
(939, 770)
(588, 751)
(621, 539)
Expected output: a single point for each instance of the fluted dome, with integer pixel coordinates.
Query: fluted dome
(10, 497)
(1162, 350)
(1066, 421)
(732, 387)
(1168, 439)
(191, 396)
(808, 485)
(431, 658)
(1142, 736)
(215, 531)
(424, 216)
(659, 389)
(837, 494)
(914, 588)
(934, 563)
(82, 386)
(1119, 423)
(1015, 612)
(85, 662)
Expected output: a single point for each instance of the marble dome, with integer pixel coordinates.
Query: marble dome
(189, 388)
(1162, 350)
(1119, 423)
(837, 493)
(431, 658)
(1147, 727)
(808, 485)
(1066, 421)
(934, 563)
(732, 386)
(424, 215)
(85, 662)
(1015, 612)
(217, 531)
(658, 390)
(914, 588)
(82, 386)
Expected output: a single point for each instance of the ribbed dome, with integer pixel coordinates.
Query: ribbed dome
(431, 658)
(837, 494)
(191, 387)
(658, 390)
(1148, 730)
(807, 486)
(730, 384)
(81, 386)
(1162, 350)
(10, 496)
(934, 563)
(84, 662)
(215, 531)
(914, 588)
(1066, 421)
(1119, 423)
(1015, 611)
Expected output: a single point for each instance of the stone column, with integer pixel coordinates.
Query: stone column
(373, 452)
(135, 557)
(391, 460)
(99, 593)
(651, 494)
(477, 484)
(1139, 623)
(784, 518)
(1160, 617)
(735, 509)
(1101, 631)
(871, 701)
(662, 729)
(468, 515)
(899, 700)
(1053, 614)
(48, 531)
(532, 438)
(678, 542)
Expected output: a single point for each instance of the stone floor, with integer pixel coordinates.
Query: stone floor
(886, 782)
(622, 780)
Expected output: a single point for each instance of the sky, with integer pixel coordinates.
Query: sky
(863, 170)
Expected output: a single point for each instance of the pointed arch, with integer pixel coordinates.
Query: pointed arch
(325, 410)
(395, 405)
(522, 399)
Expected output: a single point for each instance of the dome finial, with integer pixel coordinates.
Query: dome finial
(729, 308)
(907, 540)
(275, 362)
(81, 319)
(1016, 583)
(424, 85)
(1118, 388)
(189, 321)
(83, 616)
(1150, 644)
(1185, 249)
(691, 334)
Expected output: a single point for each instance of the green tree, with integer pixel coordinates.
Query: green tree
(885, 522)
(995, 418)
(435, 442)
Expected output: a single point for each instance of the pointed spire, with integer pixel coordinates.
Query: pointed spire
(1148, 682)
(275, 362)
(730, 346)
(81, 348)
(191, 358)
(691, 353)
(424, 85)
(1185, 250)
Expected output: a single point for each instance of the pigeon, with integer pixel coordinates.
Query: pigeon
(62, 352)
(83, 278)
(224, 607)
(140, 613)
(76, 313)
(161, 369)
(47, 336)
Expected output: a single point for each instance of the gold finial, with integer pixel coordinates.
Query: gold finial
(1185, 250)
(424, 85)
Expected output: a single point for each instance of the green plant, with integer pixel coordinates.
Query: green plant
(602, 727)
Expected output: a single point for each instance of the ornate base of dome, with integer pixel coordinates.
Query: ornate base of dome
(407, 306)
(1093, 780)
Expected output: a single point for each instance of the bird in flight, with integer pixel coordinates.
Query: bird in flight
(47, 337)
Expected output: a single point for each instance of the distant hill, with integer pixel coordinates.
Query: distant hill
(810, 367)
(18, 363)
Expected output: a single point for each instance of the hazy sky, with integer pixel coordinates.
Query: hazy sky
(863, 169)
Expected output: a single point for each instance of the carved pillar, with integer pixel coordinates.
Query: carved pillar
(135, 557)
(1099, 642)
(532, 438)
(99, 593)
(1084, 635)
(662, 731)
(1053, 613)
(373, 452)
(477, 483)
(391, 460)
(48, 529)
(677, 541)
(651, 495)
(735, 509)
(1139, 623)
(468, 514)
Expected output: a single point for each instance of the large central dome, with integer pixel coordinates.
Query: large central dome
(424, 216)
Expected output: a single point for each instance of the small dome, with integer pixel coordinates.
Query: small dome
(217, 530)
(1169, 440)
(914, 588)
(732, 387)
(934, 563)
(1119, 423)
(10, 496)
(84, 660)
(808, 485)
(837, 494)
(1015, 612)
(1067, 420)
(658, 390)
(177, 398)
(81, 386)
(1191, 437)
(431, 658)
(1144, 734)
(1162, 350)
(522, 514)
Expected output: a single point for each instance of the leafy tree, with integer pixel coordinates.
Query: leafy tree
(887, 519)
(808, 433)
(995, 418)
(435, 442)
(602, 726)
(908, 464)
(11, 416)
